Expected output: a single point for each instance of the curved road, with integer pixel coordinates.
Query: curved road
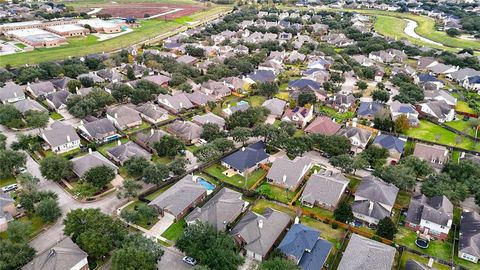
(410, 30)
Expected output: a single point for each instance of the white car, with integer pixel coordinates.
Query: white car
(9, 188)
(189, 260)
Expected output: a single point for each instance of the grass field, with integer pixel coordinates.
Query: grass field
(217, 170)
(96, 3)
(437, 248)
(462, 126)
(88, 45)
(7, 181)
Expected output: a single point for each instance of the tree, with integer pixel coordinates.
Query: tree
(10, 161)
(48, 210)
(155, 174)
(386, 228)
(208, 152)
(56, 167)
(216, 250)
(380, 95)
(376, 156)
(453, 32)
(129, 189)
(241, 134)
(73, 85)
(331, 145)
(278, 264)
(178, 166)
(359, 162)
(99, 176)
(306, 98)
(168, 146)
(400, 175)
(383, 120)
(14, 255)
(223, 145)
(3, 142)
(27, 142)
(135, 166)
(268, 89)
(137, 252)
(19, 232)
(401, 124)
(420, 167)
(10, 116)
(344, 162)
(443, 184)
(211, 131)
(343, 212)
(362, 85)
(296, 146)
(28, 181)
(130, 73)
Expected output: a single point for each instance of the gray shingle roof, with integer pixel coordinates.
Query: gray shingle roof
(362, 134)
(288, 172)
(83, 164)
(414, 265)
(222, 209)
(58, 98)
(324, 187)
(437, 209)
(209, 118)
(186, 130)
(60, 134)
(376, 190)
(150, 137)
(42, 88)
(365, 254)
(98, 128)
(10, 91)
(151, 110)
(275, 105)
(470, 234)
(124, 115)
(128, 150)
(26, 105)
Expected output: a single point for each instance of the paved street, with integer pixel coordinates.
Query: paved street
(172, 259)
(349, 84)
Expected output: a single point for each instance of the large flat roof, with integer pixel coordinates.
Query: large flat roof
(97, 23)
(65, 27)
(34, 34)
(16, 24)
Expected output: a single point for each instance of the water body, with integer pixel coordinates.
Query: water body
(410, 31)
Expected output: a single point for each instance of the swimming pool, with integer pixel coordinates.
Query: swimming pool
(206, 184)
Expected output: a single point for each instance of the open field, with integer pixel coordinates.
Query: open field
(96, 3)
(138, 10)
(148, 30)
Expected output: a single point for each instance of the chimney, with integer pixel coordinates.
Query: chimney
(370, 106)
(243, 148)
(284, 178)
(89, 150)
(68, 138)
(260, 224)
(370, 206)
(152, 131)
(116, 115)
(119, 142)
(297, 220)
(181, 105)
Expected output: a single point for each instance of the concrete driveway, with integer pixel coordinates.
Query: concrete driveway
(172, 259)
(162, 225)
(349, 84)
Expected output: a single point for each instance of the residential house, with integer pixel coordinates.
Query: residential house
(99, 130)
(275, 106)
(7, 210)
(261, 76)
(256, 234)
(61, 83)
(159, 79)
(235, 83)
(180, 198)
(40, 89)
(462, 74)
(110, 75)
(442, 69)
(288, 174)
(424, 63)
(304, 83)
(374, 200)
(304, 246)
(324, 189)
(148, 138)
(368, 110)
(438, 110)
(321, 63)
(397, 109)
(394, 145)
(300, 116)
(209, 118)
(414, 265)
(83, 164)
(341, 102)
(58, 100)
(427, 78)
(63, 255)
(152, 113)
(364, 253)
(469, 240)
(11, 93)
(176, 103)
(440, 95)
(435, 155)
(61, 137)
(26, 105)
(95, 78)
(218, 90)
(187, 60)
(220, 211)
(186, 131)
(198, 98)
(124, 117)
(388, 56)
(241, 106)
(272, 65)
(472, 83)
(358, 137)
(432, 216)
(295, 57)
(247, 159)
(323, 125)
(363, 60)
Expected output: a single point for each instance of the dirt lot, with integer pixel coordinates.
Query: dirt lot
(138, 10)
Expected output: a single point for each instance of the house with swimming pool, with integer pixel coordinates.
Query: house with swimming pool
(247, 159)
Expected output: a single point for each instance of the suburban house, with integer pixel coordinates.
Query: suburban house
(63, 255)
(7, 210)
(110, 75)
(61, 137)
(394, 145)
(358, 137)
(304, 246)
(241, 106)
(209, 118)
(368, 110)
(300, 116)
(414, 265)
(220, 211)
(198, 98)
(83, 164)
(435, 155)
(148, 138)
(288, 174)
(397, 109)
(469, 242)
(341, 102)
(429, 79)
(364, 253)
(99, 130)
(257, 234)
(152, 113)
(159, 79)
(440, 95)
(374, 200)
(247, 159)
(462, 74)
(123, 152)
(58, 100)
(187, 60)
(40, 89)
(124, 117)
(323, 125)
(324, 189)
(215, 89)
(175, 103)
(472, 83)
(11, 93)
(432, 216)
(186, 131)
(438, 110)
(180, 198)
(26, 105)
(275, 106)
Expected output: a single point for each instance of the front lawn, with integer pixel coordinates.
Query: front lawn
(217, 170)
(437, 248)
(162, 160)
(276, 193)
(332, 113)
(175, 230)
(35, 221)
(8, 181)
(144, 222)
(56, 116)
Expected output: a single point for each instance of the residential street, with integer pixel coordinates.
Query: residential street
(172, 259)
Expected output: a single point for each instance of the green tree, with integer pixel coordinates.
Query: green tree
(19, 232)
(343, 212)
(168, 146)
(137, 252)
(130, 73)
(419, 166)
(241, 134)
(401, 124)
(178, 166)
(297, 146)
(208, 152)
(359, 162)
(129, 189)
(56, 167)
(27, 181)
(380, 95)
(400, 175)
(278, 264)
(211, 131)
(10, 161)
(135, 166)
(48, 210)
(362, 85)
(376, 156)
(268, 89)
(344, 162)
(3, 141)
(386, 228)
(155, 174)
(10, 116)
(306, 98)
(73, 85)
(14, 255)
(453, 32)
(443, 184)
(99, 176)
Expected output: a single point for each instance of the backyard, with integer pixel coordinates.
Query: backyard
(462, 125)
(437, 248)
(276, 193)
(411, 256)
(217, 170)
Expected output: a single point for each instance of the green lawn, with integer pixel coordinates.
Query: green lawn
(276, 193)
(262, 204)
(56, 116)
(462, 126)
(154, 195)
(437, 248)
(103, 149)
(35, 221)
(175, 230)
(354, 182)
(162, 160)
(408, 255)
(283, 95)
(318, 210)
(7, 181)
(217, 170)
(144, 223)
(142, 126)
(192, 148)
(335, 115)
(334, 236)
(429, 132)
(97, 3)
(256, 101)
(403, 199)
(462, 106)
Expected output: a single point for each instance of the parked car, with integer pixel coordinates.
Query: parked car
(9, 188)
(22, 170)
(189, 260)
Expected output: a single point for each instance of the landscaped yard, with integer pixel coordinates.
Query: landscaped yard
(403, 199)
(103, 149)
(334, 236)
(354, 182)
(462, 106)
(256, 101)
(437, 248)
(217, 170)
(175, 230)
(7, 181)
(142, 126)
(261, 205)
(430, 132)
(56, 116)
(408, 255)
(282, 95)
(462, 126)
(161, 160)
(318, 210)
(276, 193)
(143, 222)
(335, 115)
(35, 221)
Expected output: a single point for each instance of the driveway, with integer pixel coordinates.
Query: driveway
(162, 225)
(172, 259)
(349, 84)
